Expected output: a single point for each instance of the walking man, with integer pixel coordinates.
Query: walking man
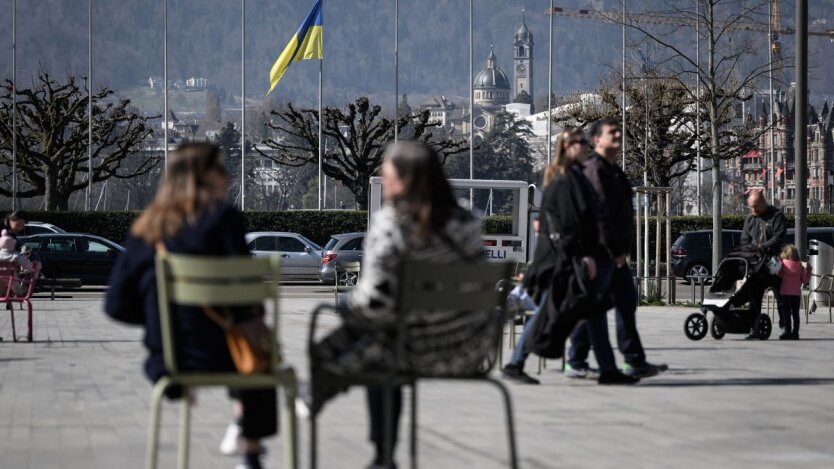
(616, 226)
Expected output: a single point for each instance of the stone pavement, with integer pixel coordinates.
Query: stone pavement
(76, 398)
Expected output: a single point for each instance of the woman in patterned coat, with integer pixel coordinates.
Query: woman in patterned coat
(419, 220)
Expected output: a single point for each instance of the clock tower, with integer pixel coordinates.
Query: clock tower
(523, 63)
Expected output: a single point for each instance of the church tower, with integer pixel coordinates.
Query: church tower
(523, 70)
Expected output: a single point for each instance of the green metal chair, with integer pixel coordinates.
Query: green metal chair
(217, 281)
(345, 278)
(425, 286)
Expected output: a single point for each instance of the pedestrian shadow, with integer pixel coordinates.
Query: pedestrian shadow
(17, 359)
(687, 349)
(740, 382)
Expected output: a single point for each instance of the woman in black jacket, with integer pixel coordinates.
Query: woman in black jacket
(188, 215)
(568, 231)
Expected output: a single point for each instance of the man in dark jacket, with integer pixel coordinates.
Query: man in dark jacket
(616, 226)
(765, 228)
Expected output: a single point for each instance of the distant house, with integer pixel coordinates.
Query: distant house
(155, 82)
(440, 110)
(196, 83)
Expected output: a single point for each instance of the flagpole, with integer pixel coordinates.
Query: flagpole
(471, 105)
(396, 70)
(89, 103)
(14, 104)
(321, 115)
(549, 87)
(243, 105)
(165, 80)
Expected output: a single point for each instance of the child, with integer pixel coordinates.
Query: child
(793, 276)
(22, 263)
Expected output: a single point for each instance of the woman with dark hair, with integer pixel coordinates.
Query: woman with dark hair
(189, 215)
(419, 220)
(15, 222)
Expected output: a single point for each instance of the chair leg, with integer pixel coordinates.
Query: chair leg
(153, 427)
(29, 334)
(289, 422)
(414, 425)
(14, 332)
(313, 442)
(508, 406)
(185, 430)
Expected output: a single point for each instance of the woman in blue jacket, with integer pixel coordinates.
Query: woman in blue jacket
(188, 215)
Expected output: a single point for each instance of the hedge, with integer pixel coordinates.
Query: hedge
(319, 225)
(314, 224)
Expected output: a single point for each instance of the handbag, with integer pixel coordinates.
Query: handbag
(247, 336)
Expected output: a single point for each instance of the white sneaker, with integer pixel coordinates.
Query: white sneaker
(230, 445)
(302, 410)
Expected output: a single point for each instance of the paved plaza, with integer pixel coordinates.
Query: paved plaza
(76, 398)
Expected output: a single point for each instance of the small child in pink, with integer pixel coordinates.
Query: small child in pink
(793, 275)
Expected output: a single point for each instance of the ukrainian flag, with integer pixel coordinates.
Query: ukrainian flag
(304, 45)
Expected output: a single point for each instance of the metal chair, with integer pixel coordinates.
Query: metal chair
(425, 286)
(217, 281)
(8, 279)
(345, 277)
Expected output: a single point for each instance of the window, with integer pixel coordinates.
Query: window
(263, 243)
(33, 245)
(35, 229)
(93, 247)
(353, 245)
(287, 244)
(61, 245)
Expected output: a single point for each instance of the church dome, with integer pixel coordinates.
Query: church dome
(523, 33)
(491, 76)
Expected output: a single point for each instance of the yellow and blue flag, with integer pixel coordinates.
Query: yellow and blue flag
(304, 45)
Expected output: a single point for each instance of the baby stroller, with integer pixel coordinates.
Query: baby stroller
(733, 315)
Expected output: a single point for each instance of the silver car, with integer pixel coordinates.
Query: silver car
(300, 257)
(340, 249)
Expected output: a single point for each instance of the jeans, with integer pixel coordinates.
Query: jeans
(519, 356)
(789, 311)
(622, 288)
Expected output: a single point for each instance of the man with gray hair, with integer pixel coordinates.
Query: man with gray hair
(765, 228)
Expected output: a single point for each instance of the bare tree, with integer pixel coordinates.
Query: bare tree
(356, 138)
(52, 139)
(728, 72)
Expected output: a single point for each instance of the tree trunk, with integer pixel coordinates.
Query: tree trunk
(51, 197)
(361, 194)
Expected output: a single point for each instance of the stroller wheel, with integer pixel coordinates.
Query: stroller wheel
(717, 329)
(695, 326)
(763, 326)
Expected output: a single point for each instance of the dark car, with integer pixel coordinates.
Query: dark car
(341, 248)
(692, 251)
(85, 257)
(819, 233)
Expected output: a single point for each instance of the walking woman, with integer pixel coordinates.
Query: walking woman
(189, 215)
(419, 220)
(568, 217)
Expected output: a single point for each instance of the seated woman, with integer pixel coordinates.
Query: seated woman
(188, 215)
(420, 220)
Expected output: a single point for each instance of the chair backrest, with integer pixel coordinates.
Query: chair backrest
(8, 278)
(189, 280)
(460, 286)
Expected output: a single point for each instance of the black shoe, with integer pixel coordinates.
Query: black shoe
(785, 336)
(795, 336)
(615, 377)
(645, 370)
(515, 373)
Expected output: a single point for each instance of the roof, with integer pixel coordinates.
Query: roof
(491, 76)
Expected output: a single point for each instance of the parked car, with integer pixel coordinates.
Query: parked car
(39, 227)
(820, 233)
(85, 257)
(341, 248)
(300, 257)
(692, 252)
